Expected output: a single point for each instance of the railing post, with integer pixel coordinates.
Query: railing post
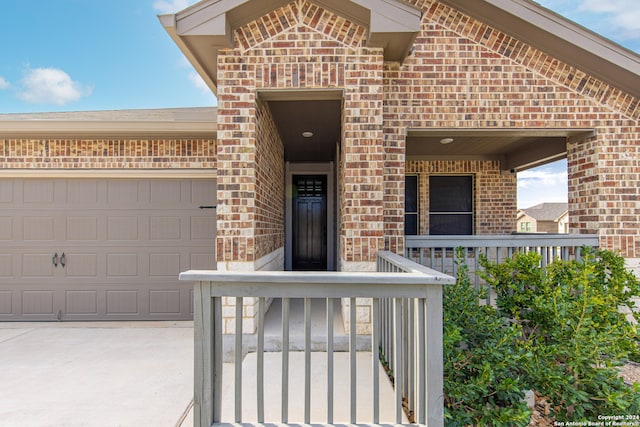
(207, 363)
(435, 357)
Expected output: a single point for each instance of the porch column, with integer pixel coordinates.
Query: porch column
(603, 191)
(362, 165)
(251, 178)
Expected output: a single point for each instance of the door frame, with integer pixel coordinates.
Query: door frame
(326, 169)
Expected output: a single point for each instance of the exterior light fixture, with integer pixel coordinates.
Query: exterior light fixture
(446, 140)
(307, 134)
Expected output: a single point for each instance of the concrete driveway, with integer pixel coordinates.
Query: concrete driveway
(96, 374)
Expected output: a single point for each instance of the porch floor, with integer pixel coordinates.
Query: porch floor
(273, 371)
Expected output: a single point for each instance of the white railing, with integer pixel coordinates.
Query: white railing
(416, 287)
(438, 252)
(401, 348)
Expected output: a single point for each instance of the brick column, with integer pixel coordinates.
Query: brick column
(603, 192)
(362, 164)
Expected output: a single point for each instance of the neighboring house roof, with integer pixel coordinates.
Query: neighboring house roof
(199, 121)
(547, 211)
(202, 29)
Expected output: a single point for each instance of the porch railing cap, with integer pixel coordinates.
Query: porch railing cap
(318, 284)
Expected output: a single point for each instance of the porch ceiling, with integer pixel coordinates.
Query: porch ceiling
(321, 117)
(516, 149)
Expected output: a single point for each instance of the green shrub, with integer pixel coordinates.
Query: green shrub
(572, 330)
(481, 361)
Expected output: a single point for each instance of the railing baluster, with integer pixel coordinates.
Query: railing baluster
(238, 360)
(420, 409)
(217, 362)
(352, 358)
(330, 360)
(406, 358)
(375, 334)
(397, 366)
(389, 334)
(260, 360)
(307, 360)
(285, 360)
(411, 396)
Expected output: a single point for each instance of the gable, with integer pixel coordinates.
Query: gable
(203, 29)
(280, 23)
(616, 92)
(559, 37)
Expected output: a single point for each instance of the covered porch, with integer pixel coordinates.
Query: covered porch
(403, 304)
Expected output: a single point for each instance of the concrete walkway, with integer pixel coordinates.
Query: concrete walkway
(96, 374)
(138, 374)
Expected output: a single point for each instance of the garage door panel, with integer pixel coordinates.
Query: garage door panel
(6, 191)
(164, 264)
(6, 228)
(122, 265)
(6, 303)
(6, 265)
(166, 193)
(82, 191)
(83, 302)
(38, 228)
(38, 265)
(38, 191)
(122, 228)
(81, 264)
(122, 302)
(164, 302)
(37, 302)
(123, 194)
(125, 242)
(203, 228)
(82, 228)
(166, 228)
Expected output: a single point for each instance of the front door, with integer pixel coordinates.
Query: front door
(310, 222)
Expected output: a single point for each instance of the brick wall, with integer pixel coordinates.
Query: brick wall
(465, 74)
(107, 154)
(302, 46)
(270, 185)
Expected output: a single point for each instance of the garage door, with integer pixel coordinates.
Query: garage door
(103, 249)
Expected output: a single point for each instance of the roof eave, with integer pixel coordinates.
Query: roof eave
(97, 129)
(559, 37)
(190, 46)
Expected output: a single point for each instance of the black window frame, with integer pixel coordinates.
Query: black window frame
(449, 216)
(412, 210)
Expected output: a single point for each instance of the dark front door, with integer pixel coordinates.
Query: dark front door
(310, 222)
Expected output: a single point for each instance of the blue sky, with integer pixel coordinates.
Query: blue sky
(74, 55)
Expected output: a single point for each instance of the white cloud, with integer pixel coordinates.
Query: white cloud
(547, 178)
(542, 185)
(198, 82)
(172, 6)
(624, 14)
(4, 84)
(51, 86)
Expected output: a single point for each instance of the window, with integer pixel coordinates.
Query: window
(525, 227)
(450, 205)
(411, 205)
